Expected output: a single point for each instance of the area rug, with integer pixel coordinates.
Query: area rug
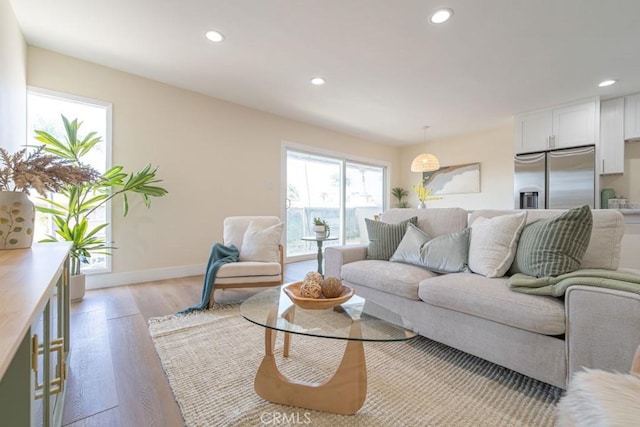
(211, 358)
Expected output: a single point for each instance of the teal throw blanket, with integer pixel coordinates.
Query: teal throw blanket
(557, 286)
(220, 255)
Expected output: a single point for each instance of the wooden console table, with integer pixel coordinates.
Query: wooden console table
(34, 334)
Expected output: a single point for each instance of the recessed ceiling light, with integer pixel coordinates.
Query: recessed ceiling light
(440, 16)
(318, 81)
(606, 83)
(215, 36)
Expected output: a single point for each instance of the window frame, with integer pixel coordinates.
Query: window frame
(343, 158)
(108, 107)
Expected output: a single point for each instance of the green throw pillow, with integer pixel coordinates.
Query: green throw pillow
(554, 246)
(384, 238)
(442, 254)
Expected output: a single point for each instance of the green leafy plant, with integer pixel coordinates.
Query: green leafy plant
(71, 215)
(400, 193)
(318, 221)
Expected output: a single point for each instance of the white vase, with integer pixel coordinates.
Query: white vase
(77, 287)
(422, 205)
(17, 218)
(322, 231)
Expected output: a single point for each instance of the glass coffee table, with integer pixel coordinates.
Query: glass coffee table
(356, 321)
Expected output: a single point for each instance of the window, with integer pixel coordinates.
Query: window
(44, 110)
(339, 190)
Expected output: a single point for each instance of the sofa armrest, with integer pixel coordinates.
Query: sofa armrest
(603, 328)
(337, 256)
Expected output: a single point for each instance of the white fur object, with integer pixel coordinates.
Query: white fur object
(597, 398)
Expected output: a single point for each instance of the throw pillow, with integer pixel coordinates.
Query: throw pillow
(261, 244)
(446, 254)
(554, 246)
(408, 250)
(494, 243)
(384, 238)
(442, 254)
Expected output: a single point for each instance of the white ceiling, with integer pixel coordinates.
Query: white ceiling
(389, 72)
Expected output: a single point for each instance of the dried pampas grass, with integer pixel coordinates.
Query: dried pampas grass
(43, 172)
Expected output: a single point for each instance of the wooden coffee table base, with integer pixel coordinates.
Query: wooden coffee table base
(343, 393)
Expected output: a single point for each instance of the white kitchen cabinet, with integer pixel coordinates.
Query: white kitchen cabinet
(612, 136)
(632, 117)
(533, 131)
(565, 126)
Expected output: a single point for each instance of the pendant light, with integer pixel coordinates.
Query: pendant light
(425, 162)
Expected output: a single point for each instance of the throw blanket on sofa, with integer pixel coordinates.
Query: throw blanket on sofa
(556, 286)
(220, 255)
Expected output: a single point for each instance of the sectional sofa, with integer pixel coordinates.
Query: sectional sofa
(544, 337)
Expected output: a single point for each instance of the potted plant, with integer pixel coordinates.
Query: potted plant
(400, 193)
(71, 214)
(321, 228)
(21, 172)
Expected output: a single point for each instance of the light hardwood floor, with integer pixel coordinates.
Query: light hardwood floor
(114, 375)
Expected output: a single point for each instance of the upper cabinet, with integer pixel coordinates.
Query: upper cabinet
(632, 117)
(569, 125)
(612, 136)
(533, 132)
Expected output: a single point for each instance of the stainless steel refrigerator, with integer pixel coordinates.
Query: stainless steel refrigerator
(556, 179)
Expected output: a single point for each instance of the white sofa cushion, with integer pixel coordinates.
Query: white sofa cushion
(491, 299)
(390, 277)
(248, 272)
(433, 221)
(493, 243)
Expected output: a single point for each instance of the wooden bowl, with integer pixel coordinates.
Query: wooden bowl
(293, 292)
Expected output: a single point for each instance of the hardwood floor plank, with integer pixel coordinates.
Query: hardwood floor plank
(109, 418)
(143, 390)
(92, 301)
(90, 386)
(118, 302)
(167, 296)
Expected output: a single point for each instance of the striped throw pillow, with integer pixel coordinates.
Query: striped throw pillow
(554, 246)
(384, 238)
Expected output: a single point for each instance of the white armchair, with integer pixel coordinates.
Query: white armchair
(258, 238)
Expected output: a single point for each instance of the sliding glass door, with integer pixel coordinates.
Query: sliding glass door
(340, 191)
(364, 199)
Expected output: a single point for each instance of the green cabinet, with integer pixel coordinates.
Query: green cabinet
(34, 334)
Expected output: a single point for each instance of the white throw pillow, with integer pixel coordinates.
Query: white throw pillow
(260, 243)
(494, 242)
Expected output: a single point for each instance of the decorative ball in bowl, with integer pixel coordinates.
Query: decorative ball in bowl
(311, 294)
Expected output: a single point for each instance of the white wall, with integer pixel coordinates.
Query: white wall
(492, 149)
(217, 159)
(13, 95)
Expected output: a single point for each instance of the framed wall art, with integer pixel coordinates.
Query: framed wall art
(456, 179)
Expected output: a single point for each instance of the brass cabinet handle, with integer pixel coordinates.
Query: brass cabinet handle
(56, 385)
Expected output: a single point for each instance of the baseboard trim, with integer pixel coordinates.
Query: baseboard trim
(97, 281)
